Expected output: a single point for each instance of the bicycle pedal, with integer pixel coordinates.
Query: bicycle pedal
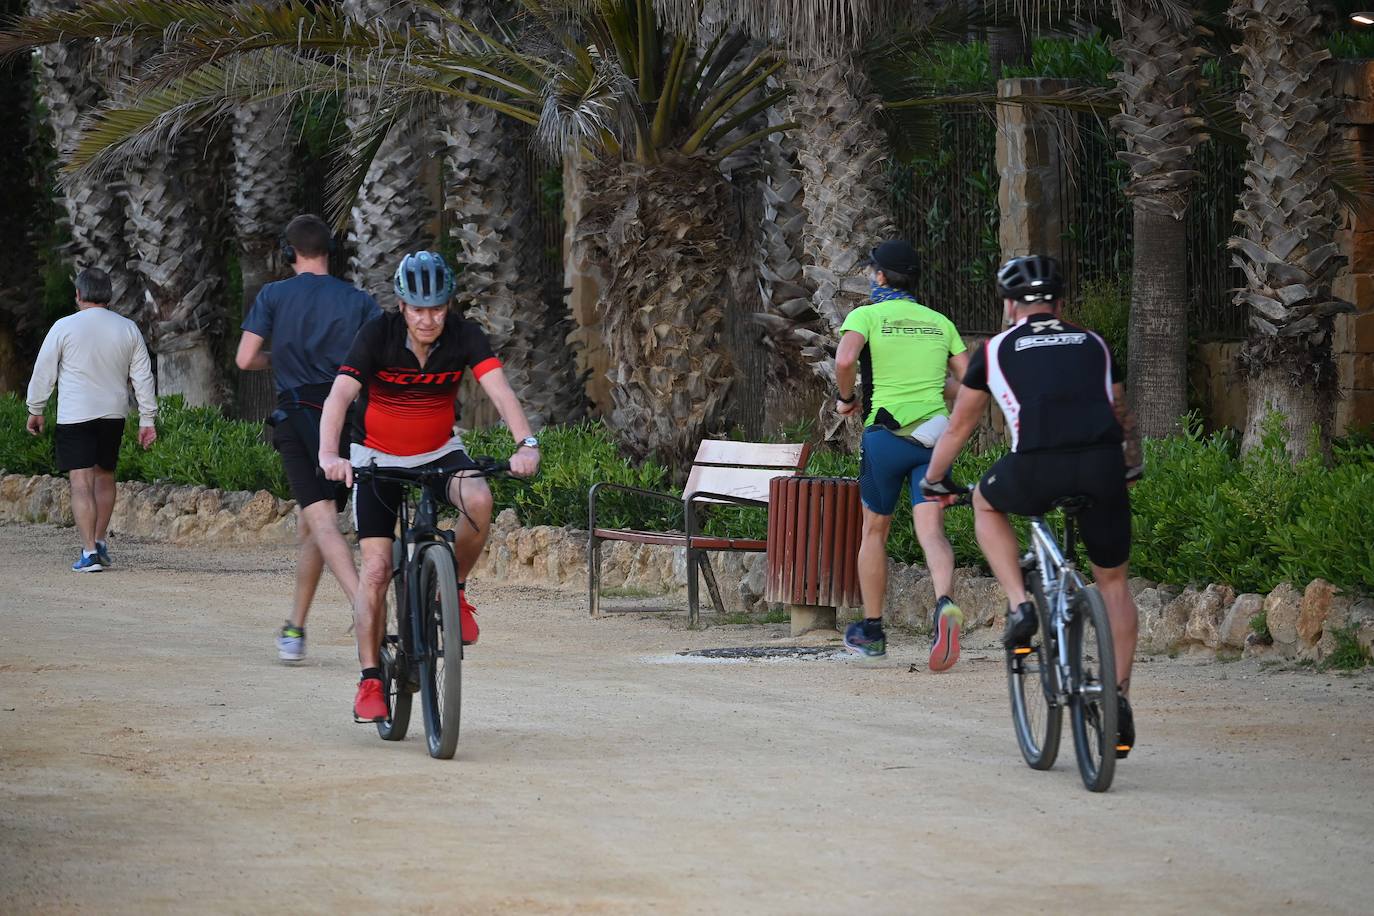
(1022, 650)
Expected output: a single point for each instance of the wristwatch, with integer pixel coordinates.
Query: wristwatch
(853, 396)
(529, 442)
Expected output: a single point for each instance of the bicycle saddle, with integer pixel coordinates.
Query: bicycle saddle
(1072, 504)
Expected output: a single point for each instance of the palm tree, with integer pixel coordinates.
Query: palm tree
(1286, 243)
(1159, 84)
(491, 206)
(395, 211)
(70, 83)
(605, 82)
(263, 185)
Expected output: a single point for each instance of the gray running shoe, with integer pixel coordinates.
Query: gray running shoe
(102, 550)
(291, 643)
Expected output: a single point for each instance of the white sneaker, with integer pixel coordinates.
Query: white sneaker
(291, 643)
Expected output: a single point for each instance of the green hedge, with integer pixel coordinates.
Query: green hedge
(195, 446)
(1205, 513)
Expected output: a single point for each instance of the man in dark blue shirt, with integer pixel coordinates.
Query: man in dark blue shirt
(309, 321)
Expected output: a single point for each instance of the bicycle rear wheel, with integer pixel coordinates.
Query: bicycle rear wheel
(441, 665)
(396, 660)
(1035, 710)
(1092, 694)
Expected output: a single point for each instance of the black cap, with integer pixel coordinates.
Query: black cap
(896, 255)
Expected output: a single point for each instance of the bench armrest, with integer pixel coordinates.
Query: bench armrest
(606, 485)
(691, 511)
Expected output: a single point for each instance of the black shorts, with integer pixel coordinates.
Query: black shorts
(87, 445)
(376, 503)
(1028, 484)
(296, 438)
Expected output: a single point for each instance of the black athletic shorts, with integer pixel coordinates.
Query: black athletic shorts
(296, 436)
(377, 503)
(1030, 482)
(87, 445)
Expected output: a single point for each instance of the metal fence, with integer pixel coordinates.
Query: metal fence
(946, 205)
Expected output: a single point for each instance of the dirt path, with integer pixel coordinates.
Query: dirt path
(154, 756)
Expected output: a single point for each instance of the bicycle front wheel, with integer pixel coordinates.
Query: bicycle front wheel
(441, 660)
(396, 661)
(1035, 709)
(1092, 693)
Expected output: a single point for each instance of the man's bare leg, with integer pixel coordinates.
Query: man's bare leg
(104, 492)
(370, 600)
(873, 562)
(83, 505)
(929, 520)
(997, 540)
(309, 565)
(322, 521)
(1124, 617)
(473, 497)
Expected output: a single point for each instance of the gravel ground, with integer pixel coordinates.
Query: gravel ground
(155, 757)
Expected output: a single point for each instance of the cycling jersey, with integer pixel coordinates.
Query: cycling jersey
(1053, 381)
(405, 409)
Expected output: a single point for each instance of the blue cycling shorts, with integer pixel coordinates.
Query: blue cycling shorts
(886, 461)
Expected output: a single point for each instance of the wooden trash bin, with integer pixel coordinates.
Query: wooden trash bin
(814, 525)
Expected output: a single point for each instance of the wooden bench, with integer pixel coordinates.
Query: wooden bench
(723, 473)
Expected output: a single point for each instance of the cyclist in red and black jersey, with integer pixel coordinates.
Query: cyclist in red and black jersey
(1071, 435)
(404, 369)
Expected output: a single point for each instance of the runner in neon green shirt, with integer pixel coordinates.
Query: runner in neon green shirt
(903, 352)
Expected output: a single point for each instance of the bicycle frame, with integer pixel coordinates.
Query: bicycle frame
(1059, 580)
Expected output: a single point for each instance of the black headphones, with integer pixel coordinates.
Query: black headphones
(288, 252)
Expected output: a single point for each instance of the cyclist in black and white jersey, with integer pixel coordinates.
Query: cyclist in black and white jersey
(1071, 435)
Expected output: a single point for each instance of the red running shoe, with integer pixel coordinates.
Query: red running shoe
(467, 620)
(369, 705)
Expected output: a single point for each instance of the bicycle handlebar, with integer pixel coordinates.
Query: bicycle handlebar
(481, 467)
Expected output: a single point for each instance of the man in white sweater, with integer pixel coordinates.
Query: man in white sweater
(91, 357)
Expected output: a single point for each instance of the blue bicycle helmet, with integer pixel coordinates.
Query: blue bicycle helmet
(424, 280)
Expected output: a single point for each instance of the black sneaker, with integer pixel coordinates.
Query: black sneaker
(1021, 626)
(1125, 727)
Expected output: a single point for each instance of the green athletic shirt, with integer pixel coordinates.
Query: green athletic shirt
(905, 360)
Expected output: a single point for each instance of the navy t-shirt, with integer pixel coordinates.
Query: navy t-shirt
(309, 321)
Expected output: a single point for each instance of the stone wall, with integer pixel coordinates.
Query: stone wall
(1213, 619)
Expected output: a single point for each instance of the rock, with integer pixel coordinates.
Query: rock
(1317, 605)
(183, 500)
(187, 528)
(524, 547)
(258, 511)
(1256, 647)
(1235, 626)
(755, 580)
(1281, 609)
(1151, 604)
(208, 502)
(981, 600)
(1206, 614)
(909, 596)
(1137, 584)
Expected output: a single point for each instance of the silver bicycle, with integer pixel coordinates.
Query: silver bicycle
(1069, 663)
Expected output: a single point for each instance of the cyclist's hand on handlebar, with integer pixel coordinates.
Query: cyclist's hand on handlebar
(525, 462)
(336, 468)
(944, 491)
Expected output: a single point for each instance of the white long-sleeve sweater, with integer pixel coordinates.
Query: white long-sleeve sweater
(91, 356)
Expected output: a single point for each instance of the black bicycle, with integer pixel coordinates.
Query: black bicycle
(422, 643)
(1072, 665)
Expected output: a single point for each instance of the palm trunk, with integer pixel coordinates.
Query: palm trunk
(396, 210)
(21, 173)
(666, 239)
(1159, 87)
(841, 151)
(1286, 242)
(1158, 338)
(262, 192)
(70, 83)
(841, 154)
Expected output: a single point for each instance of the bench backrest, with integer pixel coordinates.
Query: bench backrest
(744, 468)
